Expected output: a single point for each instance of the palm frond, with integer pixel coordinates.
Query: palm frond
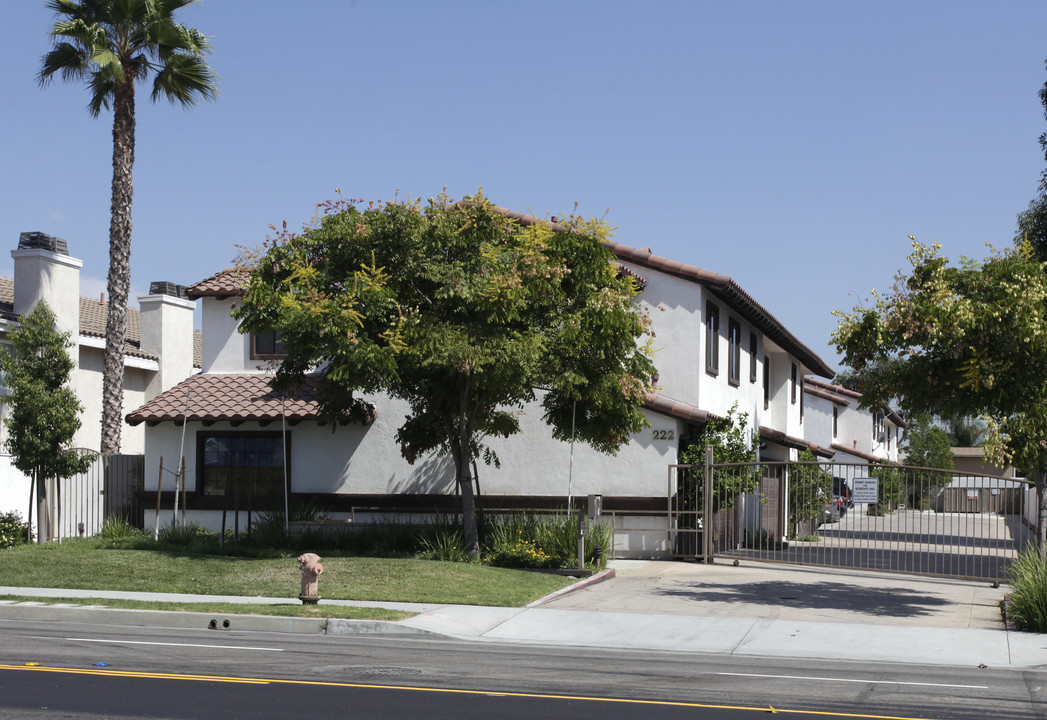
(66, 60)
(185, 79)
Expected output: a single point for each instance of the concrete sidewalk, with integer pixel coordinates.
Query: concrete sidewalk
(755, 609)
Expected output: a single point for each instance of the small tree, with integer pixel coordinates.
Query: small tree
(927, 446)
(731, 444)
(810, 488)
(45, 412)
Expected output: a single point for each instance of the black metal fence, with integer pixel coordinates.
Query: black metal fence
(108, 489)
(875, 517)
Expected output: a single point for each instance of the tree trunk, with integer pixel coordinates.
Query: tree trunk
(43, 512)
(119, 264)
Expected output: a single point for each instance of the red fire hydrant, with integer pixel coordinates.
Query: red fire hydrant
(309, 564)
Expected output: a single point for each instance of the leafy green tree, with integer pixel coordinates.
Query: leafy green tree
(109, 45)
(927, 446)
(463, 310)
(731, 444)
(810, 488)
(45, 412)
(962, 341)
(1032, 222)
(965, 431)
(891, 487)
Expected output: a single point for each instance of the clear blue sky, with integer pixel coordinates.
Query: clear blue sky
(791, 145)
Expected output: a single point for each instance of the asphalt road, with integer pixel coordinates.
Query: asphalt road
(115, 672)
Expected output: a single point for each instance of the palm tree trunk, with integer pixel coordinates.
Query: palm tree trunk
(119, 264)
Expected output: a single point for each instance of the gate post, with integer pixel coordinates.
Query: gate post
(707, 506)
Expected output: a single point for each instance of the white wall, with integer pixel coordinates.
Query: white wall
(224, 349)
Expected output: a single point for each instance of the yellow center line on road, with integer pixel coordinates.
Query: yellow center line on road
(317, 683)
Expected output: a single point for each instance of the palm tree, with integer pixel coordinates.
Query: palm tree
(109, 44)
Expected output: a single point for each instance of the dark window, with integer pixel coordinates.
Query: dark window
(712, 339)
(766, 382)
(231, 463)
(267, 345)
(836, 421)
(752, 357)
(802, 403)
(793, 383)
(734, 352)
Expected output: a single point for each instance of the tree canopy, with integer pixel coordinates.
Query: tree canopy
(466, 312)
(45, 412)
(1032, 222)
(961, 340)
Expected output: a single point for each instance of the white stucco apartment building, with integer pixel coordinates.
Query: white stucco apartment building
(716, 347)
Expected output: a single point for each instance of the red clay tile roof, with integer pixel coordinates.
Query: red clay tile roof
(93, 316)
(860, 454)
(674, 408)
(838, 393)
(233, 397)
(779, 437)
(223, 284)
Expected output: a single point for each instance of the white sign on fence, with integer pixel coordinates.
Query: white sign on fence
(866, 490)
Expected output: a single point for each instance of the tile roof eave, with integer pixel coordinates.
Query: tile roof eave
(674, 408)
(780, 438)
(232, 397)
(863, 455)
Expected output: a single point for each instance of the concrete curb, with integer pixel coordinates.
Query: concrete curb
(606, 574)
(162, 618)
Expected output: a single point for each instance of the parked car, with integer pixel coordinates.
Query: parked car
(831, 512)
(842, 495)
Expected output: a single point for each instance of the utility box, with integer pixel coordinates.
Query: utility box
(595, 506)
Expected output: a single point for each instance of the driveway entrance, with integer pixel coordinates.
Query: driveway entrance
(872, 517)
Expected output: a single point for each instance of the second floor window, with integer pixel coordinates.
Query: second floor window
(712, 339)
(734, 352)
(752, 357)
(267, 345)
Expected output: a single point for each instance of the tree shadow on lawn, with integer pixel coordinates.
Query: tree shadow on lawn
(825, 595)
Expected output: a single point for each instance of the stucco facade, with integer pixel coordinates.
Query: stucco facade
(357, 467)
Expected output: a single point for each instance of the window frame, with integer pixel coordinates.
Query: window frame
(712, 338)
(766, 382)
(734, 352)
(276, 342)
(284, 450)
(752, 357)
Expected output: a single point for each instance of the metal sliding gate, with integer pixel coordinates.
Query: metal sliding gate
(874, 517)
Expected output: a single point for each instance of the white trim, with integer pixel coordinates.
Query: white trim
(93, 341)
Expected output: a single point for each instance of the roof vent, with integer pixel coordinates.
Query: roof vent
(167, 288)
(42, 241)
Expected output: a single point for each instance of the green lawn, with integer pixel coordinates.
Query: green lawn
(85, 565)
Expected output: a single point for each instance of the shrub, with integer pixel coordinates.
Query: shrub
(521, 554)
(554, 535)
(443, 543)
(179, 535)
(1027, 605)
(12, 530)
(117, 526)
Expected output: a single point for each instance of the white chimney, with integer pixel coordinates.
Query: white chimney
(166, 327)
(45, 272)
